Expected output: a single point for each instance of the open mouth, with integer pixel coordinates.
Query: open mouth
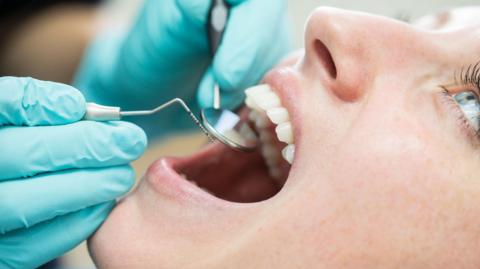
(244, 177)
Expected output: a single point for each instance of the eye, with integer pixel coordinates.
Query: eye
(468, 102)
(464, 95)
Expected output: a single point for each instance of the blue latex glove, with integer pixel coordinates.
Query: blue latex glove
(166, 55)
(59, 176)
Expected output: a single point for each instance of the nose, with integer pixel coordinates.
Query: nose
(347, 50)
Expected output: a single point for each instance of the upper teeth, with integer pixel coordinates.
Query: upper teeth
(265, 103)
(285, 132)
(278, 115)
(288, 152)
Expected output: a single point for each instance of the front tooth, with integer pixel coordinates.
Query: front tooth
(285, 132)
(288, 153)
(246, 132)
(265, 136)
(259, 89)
(276, 173)
(270, 152)
(267, 100)
(251, 104)
(278, 115)
(271, 162)
(253, 115)
(261, 122)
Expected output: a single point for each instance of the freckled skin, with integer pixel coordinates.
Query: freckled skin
(385, 176)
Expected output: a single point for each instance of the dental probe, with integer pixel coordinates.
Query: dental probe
(96, 112)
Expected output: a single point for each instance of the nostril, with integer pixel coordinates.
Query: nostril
(325, 58)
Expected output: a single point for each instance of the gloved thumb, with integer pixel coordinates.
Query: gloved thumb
(256, 38)
(197, 10)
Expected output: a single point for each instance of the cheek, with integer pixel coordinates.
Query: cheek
(380, 189)
(398, 170)
(395, 161)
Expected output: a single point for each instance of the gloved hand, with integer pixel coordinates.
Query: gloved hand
(59, 176)
(166, 55)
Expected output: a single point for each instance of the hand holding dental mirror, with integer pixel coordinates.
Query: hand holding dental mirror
(221, 124)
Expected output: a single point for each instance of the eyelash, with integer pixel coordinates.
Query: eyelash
(469, 76)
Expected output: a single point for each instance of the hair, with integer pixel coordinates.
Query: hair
(14, 12)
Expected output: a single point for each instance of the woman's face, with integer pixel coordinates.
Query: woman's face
(386, 171)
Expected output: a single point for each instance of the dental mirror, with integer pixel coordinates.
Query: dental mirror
(228, 127)
(223, 124)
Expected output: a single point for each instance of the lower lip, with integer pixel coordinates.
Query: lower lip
(164, 179)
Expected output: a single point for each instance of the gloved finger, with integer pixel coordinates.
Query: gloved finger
(27, 101)
(32, 247)
(235, 2)
(229, 99)
(30, 151)
(24, 203)
(198, 10)
(256, 38)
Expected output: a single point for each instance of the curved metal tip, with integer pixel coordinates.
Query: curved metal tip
(228, 128)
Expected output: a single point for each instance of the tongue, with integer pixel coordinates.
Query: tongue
(228, 174)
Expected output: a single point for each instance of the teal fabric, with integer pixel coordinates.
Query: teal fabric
(59, 176)
(166, 54)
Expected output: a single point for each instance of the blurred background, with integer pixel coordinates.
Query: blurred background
(17, 37)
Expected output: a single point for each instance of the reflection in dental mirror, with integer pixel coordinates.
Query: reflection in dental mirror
(469, 103)
(229, 129)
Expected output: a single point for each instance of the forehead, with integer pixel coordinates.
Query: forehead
(457, 31)
(456, 19)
